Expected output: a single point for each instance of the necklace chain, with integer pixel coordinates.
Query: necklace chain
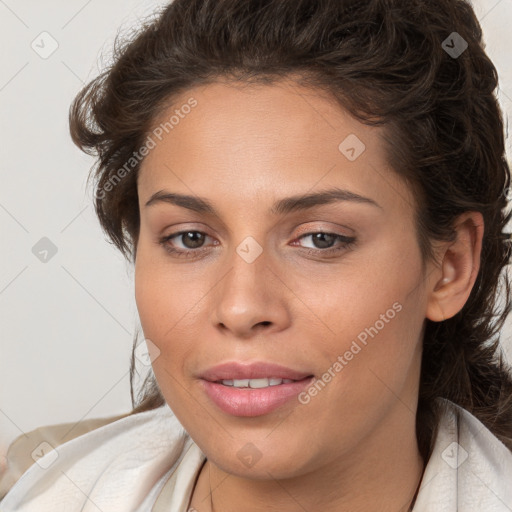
(211, 494)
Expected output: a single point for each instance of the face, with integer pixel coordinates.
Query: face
(331, 289)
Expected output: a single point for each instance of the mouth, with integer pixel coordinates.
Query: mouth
(252, 374)
(254, 388)
(254, 397)
(264, 382)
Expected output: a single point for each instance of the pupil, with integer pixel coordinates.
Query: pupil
(193, 235)
(318, 238)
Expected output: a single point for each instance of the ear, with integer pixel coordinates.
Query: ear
(459, 268)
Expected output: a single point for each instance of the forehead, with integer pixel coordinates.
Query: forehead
(280, 117)
(254, 139)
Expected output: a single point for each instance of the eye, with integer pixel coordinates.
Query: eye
(326, 240)
(192, 241)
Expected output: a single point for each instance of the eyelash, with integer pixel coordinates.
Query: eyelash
(346, 244)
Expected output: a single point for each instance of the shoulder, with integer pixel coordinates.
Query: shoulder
(30, 446)
(113, 466)
(469, 469)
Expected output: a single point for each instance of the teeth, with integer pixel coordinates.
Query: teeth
(255, 383)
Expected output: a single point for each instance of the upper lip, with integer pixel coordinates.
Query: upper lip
(255, 370)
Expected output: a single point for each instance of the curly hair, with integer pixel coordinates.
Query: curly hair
(386, 62)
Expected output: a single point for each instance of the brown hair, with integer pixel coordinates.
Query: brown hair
(387, 62)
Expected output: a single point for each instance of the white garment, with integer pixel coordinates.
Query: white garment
(148, 462)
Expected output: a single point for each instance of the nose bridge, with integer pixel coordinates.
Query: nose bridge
(247, 241)
(248, 264)
(247, 295)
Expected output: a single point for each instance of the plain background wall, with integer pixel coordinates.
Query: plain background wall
(67, 323)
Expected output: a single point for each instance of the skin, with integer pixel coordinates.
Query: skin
(353, 446)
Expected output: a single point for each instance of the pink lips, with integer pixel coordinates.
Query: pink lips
(247, 401)
(256, 370)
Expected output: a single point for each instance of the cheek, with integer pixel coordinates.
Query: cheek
(159, 311)
(170, 309)
(371, 323)
(149, 297)
(369, 366)
(156, 293)
(361, 297)
(156, 300)
(170, 320)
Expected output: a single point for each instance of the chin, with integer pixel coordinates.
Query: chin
(260, 460)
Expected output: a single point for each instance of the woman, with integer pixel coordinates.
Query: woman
(312, 194)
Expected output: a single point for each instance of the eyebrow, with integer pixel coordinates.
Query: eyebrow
(280, 207)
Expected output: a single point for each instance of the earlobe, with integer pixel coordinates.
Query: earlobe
(459, 268)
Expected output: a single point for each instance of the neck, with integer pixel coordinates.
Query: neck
(382, 474)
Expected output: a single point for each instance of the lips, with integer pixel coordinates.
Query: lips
(244, 402)
(256, 370)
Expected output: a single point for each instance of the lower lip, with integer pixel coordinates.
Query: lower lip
(253, 402)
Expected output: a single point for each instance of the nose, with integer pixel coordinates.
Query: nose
(251, 298)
